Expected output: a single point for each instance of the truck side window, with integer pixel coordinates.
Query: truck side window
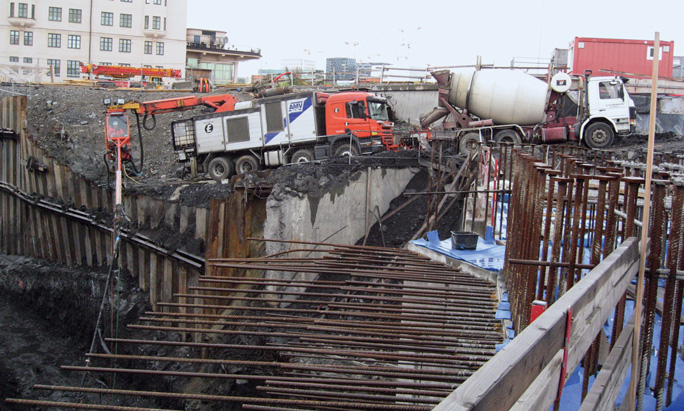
(356, 109)
(609, 91)
(274, 118)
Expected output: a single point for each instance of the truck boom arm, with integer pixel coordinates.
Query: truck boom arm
(221, 103)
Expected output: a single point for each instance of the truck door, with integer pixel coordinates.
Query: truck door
(357, 118)
(610, 96)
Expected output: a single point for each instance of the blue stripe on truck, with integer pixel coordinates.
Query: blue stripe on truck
(294, 109)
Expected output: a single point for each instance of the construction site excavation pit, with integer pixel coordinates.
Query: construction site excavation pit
(245, 295)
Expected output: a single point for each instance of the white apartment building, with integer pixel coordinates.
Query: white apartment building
(39, 34)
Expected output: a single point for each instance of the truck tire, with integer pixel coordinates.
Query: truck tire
(599, 135)
(220, 168)
(246, 163)
(470, 143)
(346, 150)
(507, 136)
(302, 156)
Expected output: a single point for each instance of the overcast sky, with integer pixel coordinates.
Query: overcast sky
(419, 33)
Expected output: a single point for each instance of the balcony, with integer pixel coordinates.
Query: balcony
(219, 48)
(154, 33)
(21, 21)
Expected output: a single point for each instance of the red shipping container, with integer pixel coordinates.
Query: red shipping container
(633, 57)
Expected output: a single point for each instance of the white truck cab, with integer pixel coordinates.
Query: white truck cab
(609, 110)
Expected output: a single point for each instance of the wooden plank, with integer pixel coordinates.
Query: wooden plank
(65, 241)
(154, 286)
(88, 246)
(182, 288)
(606, 388)
(143, 269)
(3, 223)
(545, 384)
(201, 223)
(500, 382)
(167, 281)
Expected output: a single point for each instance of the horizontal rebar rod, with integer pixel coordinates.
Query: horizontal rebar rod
(354, 405)
(78, 405)
(346, 381)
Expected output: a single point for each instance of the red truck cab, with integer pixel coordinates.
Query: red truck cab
(365, 115)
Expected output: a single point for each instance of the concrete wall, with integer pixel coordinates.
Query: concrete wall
(334, 216)
(409, 100)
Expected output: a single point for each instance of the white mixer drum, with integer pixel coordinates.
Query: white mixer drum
(505, 96)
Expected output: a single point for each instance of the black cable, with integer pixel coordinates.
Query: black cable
(142, 152)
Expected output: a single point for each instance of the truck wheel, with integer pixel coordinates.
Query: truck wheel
(302, 156)
(507, 136)
(220, 168)
(246, 163)
(470, 143)
(345, 150)
(599, 135)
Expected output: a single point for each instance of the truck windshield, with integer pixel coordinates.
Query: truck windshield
(378, 110)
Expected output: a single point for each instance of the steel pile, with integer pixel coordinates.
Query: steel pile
(335, 327)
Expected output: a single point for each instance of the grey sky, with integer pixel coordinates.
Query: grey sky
(420, 33)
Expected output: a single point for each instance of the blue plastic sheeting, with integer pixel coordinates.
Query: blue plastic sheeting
(488, 256)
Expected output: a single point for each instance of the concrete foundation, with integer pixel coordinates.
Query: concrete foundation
(337, 216)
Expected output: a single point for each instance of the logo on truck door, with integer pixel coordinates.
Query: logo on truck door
(209, 128)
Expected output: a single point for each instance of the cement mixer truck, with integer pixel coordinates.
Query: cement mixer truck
(512, 106)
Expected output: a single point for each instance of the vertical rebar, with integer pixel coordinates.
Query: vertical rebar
(651, 288)
(672, 262)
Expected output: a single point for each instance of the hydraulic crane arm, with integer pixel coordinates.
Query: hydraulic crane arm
(220, 103)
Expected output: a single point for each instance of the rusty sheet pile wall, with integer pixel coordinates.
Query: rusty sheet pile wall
(50, 213)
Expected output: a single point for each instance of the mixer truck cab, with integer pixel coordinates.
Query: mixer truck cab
(610, 111)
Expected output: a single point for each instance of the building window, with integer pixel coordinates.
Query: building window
(148, 47)
(73, 68)
(651, 51)
(14, 59)
(147, 22)
(54, 40)
(126, 20)
(28, 60)
(14, 36)
(160, 49)
(55, 14)
(124, 45)
(74, 41)
(157, 1)
(106, 43)
(164, 23)
(107, 18)
(127, 1)
(28, 38)
(55, 66)
(124, 65)
(11, 14)
(156, 23)
(75, 15)
(22, 11)
(105, 64)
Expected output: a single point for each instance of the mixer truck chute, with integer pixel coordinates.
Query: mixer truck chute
(509, 105)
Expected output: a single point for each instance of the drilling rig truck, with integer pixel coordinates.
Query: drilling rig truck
(290, 128)
(512, 106)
